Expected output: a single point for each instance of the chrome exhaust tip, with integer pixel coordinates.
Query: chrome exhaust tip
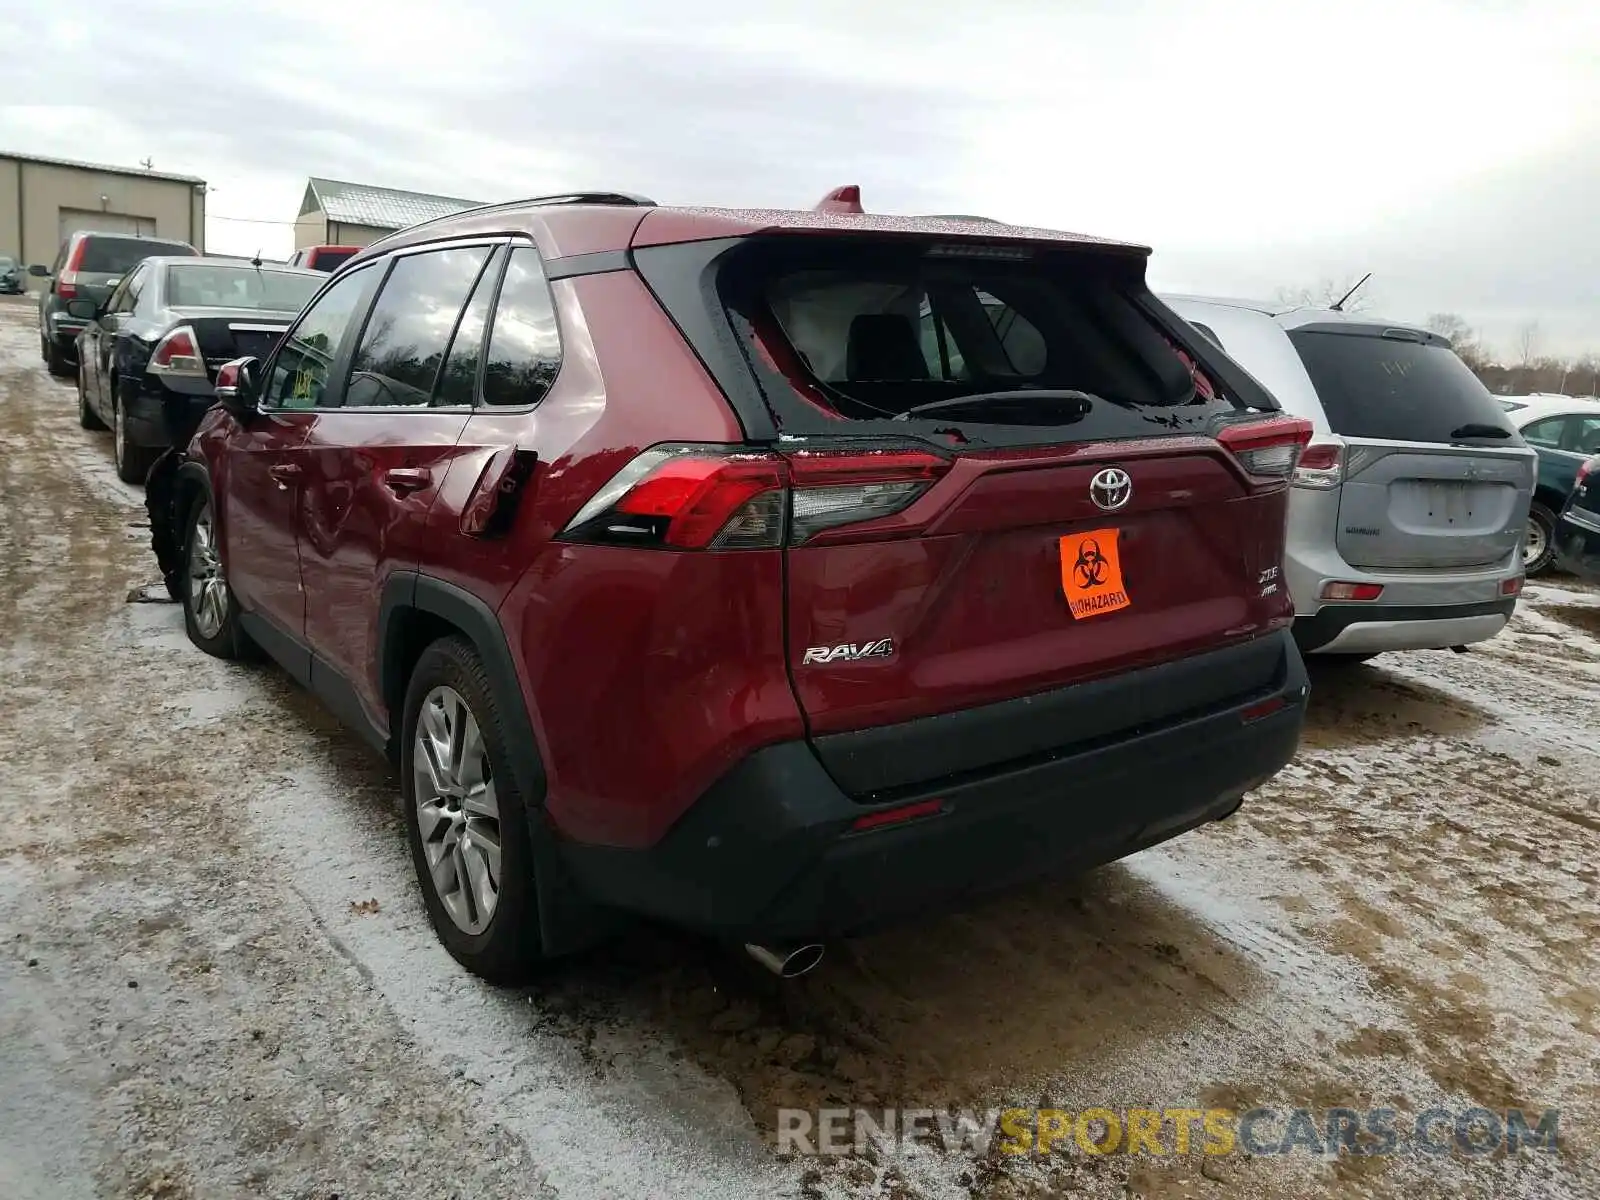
(787, 962)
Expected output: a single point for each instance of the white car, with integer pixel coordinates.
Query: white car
(1563, 430)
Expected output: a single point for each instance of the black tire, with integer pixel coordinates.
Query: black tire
(509, 949)
(133, 462)
(1545, 520)
(228, 640)
(56, 362)
(87, 417)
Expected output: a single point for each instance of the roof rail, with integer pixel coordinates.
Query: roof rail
(846, 199)
(620, 199)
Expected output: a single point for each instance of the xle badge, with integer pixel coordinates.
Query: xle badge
(1091, 573)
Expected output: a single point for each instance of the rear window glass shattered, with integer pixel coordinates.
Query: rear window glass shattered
(879, 335)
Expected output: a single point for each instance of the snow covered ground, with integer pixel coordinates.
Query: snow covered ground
(216, 978)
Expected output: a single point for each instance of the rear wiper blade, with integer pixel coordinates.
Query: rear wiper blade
(1480, 431)
(1066, 404)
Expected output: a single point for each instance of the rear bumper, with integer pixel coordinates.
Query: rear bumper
(769, 853)
(1375, 628)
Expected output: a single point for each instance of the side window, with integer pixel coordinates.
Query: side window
(126, 298)
(305, 360)
(406, 336)
(524, 343)
(1546, 433)
(1586, 435)
(458, 381)
(1019, 338)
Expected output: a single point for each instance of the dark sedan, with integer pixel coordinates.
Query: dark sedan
(11, 280)
(147, 360)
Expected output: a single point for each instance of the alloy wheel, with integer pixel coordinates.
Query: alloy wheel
(457, 814)
(208, 588)
(1534, 543)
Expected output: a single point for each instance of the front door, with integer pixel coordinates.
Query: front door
(262, 495)
(377, 452)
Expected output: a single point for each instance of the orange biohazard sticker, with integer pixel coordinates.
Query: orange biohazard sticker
(1091, 573)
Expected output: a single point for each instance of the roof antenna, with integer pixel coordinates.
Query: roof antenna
(1339, 305)
(256, 261)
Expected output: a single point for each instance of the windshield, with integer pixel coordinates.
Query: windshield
(7, 263)
(118, 255)
(208, 286)
(1394, 389)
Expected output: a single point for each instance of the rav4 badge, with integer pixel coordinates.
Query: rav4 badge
(849, 652)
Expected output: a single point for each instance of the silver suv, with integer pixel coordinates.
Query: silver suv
(1410, 503)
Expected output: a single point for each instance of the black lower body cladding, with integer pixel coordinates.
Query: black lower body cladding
(770, 853)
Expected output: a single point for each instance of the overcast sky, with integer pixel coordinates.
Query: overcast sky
(1452, 148)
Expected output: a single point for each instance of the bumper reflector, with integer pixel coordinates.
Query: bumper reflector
(896, 816)
(1351, 591)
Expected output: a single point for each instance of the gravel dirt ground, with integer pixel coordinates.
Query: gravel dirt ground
(216, 978)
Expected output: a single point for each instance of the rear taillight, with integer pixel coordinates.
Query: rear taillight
(1267, 449)
(725, 498)
(1339, 590)
(833, 489)
(1321, 466)
(178, 354)
(67, 281)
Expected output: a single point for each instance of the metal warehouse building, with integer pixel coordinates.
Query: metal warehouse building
(335, 213)
(44, 199)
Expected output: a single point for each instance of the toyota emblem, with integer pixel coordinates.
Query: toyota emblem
(1111, 489)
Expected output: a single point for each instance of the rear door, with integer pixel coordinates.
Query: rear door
(99, 341)
(376, 453)
(1435, 474)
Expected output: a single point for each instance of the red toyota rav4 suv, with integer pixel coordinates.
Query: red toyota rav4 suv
(774, 573)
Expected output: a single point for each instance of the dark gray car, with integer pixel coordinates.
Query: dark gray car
(87, 267)
(11, 282)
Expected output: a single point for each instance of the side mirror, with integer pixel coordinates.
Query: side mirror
(39, 271)
(236, 388)
(87, 310)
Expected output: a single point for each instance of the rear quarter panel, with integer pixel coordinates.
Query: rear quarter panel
(648, 673)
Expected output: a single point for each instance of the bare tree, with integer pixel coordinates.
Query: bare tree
(1527, 345)
(1463, 339)
(1325, 293)
(1586, 373)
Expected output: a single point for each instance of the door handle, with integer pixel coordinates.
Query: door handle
(284, 474)
(402, 481)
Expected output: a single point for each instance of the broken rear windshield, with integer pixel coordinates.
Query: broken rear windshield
(873, 332)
